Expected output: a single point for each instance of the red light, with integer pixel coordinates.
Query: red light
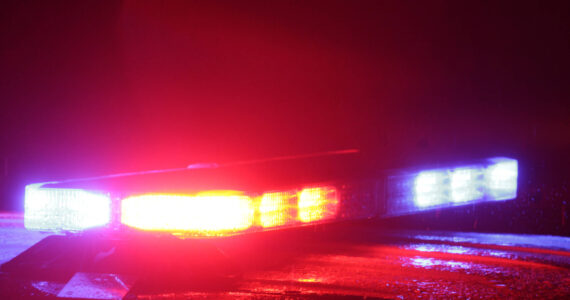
(207, 214)
(219, 213)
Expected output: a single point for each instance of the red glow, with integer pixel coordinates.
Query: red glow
(317, 204)
(211, 214)
(219, 213)
(276, 209)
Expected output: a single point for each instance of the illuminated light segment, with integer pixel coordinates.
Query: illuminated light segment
(57, 209)
(202, 214)
(466, 184)
(317, 204)
(429, 188)
(496, 181)
(501, 178)
(277, 209)
(222, 213)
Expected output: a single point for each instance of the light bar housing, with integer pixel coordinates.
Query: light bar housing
(228, 205)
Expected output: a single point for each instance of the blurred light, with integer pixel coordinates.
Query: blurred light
(276, 209)
(429, 263)
(212, 213)
(65, 209)
(501, 178)
(466, 184)
(429, 188)
(220, 213)
(317, 204)
(490, 179)
(310, 279)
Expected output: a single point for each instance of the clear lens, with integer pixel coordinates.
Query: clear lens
(408, 192)
(466, 184)
(501, 178)
(430, 188)
(65, 209)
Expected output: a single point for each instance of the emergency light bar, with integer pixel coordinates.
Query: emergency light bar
(217, 212)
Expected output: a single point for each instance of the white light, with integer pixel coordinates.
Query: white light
(57, 209)
(501, 179)
(429, 188)
(466, 184)
(490, 179)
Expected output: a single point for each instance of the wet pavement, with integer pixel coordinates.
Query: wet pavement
(371, 264)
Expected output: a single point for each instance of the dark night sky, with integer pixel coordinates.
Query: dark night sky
(90, 88)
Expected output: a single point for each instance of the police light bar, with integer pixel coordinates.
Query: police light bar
(205, 211)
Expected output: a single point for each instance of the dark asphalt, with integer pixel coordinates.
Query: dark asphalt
(388, 264)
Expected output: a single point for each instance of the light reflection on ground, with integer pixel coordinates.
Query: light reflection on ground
(429, 263)
(543, 241)
(426, 267)
(457, 250)
(420, 270)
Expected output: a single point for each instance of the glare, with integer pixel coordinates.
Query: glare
(58, 209)
(276, 209)
(317, 204)
(429, 263)
(429, 188)
(466, 184)
(310, 279)
(501, 179)
(215, 213)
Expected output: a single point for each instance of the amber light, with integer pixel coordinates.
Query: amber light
(210, 214)
(277, 209)
(319, 203)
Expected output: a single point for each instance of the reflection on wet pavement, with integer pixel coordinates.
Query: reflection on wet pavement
(405, 265)
(419, 270)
